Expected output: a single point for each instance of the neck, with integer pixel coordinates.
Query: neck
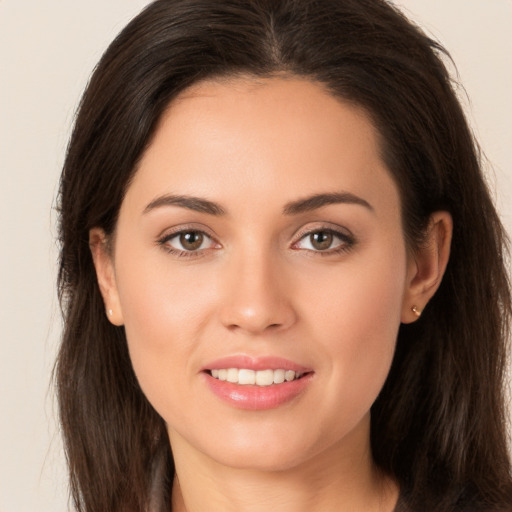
(338, 480)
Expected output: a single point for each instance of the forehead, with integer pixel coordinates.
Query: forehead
(253, 138)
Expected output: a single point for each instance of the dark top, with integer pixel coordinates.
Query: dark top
(402, 505)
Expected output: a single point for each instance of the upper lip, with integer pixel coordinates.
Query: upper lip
(255, 363)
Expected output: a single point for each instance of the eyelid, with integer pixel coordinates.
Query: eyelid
(314, 227)
(170, 233)
(180, 228)
(344, 234)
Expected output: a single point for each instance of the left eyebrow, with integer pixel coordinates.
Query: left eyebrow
(318, 200)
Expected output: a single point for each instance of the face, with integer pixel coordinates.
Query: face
(260, 270)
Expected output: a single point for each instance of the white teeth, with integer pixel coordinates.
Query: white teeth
(232, 375)
(265, 377)
(279, 376)
(250, 377)
(289, 375)
(246, 377)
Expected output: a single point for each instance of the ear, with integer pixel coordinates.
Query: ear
(427, 265)
(105, 273)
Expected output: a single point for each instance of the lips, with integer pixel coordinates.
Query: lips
(256, 383)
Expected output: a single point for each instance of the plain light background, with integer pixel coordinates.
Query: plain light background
(47, 51)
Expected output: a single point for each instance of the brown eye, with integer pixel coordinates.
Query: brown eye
(188, 243)
(325, 241)
(321, 240)
(191, 240)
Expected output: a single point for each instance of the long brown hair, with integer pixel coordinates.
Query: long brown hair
(438, 426)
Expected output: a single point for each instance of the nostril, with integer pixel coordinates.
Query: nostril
(256, 315)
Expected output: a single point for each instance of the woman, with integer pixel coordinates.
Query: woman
(282, 276)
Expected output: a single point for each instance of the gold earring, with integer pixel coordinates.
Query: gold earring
(416, 311)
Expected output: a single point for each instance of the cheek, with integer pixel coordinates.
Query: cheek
(357, 321)
(161, 306)
(164, 312)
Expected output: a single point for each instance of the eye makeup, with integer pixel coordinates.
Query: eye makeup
(188, 242)
(191, 242)
(325, 242)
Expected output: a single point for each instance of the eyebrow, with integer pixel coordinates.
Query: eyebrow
(196, 204)
(318, 200)
(306, 204)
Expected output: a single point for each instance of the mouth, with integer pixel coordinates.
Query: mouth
(249, 377)
(257, 383)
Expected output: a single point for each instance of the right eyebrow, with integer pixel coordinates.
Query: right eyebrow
(197, 204)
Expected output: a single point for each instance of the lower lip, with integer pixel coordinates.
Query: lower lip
(257, 398)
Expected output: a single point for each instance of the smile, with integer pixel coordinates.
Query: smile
(244, 376)
(257, 383)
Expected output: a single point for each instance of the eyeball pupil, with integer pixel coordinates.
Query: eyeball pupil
(191, 240)
(321, 240)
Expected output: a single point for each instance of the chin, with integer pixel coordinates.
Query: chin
(260, 458)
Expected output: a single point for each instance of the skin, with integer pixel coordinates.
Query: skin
(258, 286)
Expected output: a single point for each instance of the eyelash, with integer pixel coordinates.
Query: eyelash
(347, 242)
(184, 253)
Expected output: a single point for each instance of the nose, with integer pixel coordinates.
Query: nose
(257, 296)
